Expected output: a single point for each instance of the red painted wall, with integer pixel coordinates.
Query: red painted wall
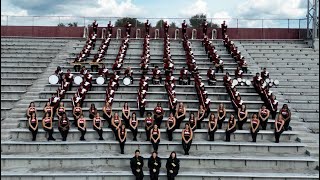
(234, 33)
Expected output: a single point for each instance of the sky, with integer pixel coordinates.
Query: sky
(228, 10)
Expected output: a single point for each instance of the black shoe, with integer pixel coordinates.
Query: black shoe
(33, 139)
(101, 138)
(135, 139)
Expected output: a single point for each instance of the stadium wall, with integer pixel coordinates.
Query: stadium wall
(77, 32)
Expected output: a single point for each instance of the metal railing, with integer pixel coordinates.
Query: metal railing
(7, 20)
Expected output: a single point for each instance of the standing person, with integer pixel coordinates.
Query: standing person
(115, 124)
(286, 116)
(47, 126)
(212, 126)
(149, 122)
(180, 114)
(192, 121)
(173, 166)
(255, 123)
(110, 26)
(97, 125)
(187, 136)
(224, 28)
(231, 127)
(242, 116)
(166, 28)
(154, 165)
(184, 28)
(158, 113)
(77, 111)
(122, 136)
(126, 114)
(204, 27)
(136, 165)
(171, 123)
(134, 125)
(95, 26)
(107, 113)
(92, 111)
(263, 116)
(33, 125)
(128, 28)
(31, 110)
(200, 116)
(82, 127)
(60, 110)
(279, 127)
(155, 137)
(147, 26)
(221, 112)
(64, 126)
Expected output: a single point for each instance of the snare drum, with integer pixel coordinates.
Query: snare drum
(267, 80)
(234, 82)
(126, 81)
(276, 82)
(78, 80)
(239, 80)
(100, 80)
(53, 79)
(248, 82)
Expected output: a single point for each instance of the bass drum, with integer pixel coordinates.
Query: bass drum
(53, 79)
(78, 80)
(276, 82)
(126, 81)
(100, 80)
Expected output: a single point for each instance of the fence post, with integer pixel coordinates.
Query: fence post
(84, 21)
(7, 20)
(262, 29)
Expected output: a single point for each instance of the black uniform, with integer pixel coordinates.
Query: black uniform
(134, 166)
(155, 134)
(122, 134)
(34, 132)
(99, 131)
(64, 128)
(211, 133)
(187, 136)
(154, 164)
(175, 169)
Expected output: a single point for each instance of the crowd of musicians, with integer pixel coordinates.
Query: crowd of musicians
(153, 121)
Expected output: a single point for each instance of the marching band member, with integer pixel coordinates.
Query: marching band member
(231, 127)
(107, 113)
(263, 116)
(255, 122)
(184, 27)
(156, 75)
(103, 71)
(244, 65)
(134, 125)
(147, 26)
(184, 76)
(171, 123)
(219, 65)
(61, 93)
(122, 136)
(154, 165)
(273, 106)
(128, 29)
(95, 26)
(172, 166)
(59, 73)
(238, 73)
(166, 27)
(48, 109)
(192, 121)
(82, 127)
(128, 72)
(60, 110)
(54, 102)
(141, 104)
(265, 74)
(158, 113)
(180, 114)
(77, 111)
(155, 137)
(204, 27)
(286, 116)
(211, 75)
(126, 114)
(242, 116)
(221, 113)
(224, 28)
(136, 165)
(212, 126)
(47, 125)
(31, 110)
(110, 26)
(97, 125)
(33, 125)
(149, 122)
(187, 136)
(116, 123)
(200, 116)
(279, 127)
(64, 126)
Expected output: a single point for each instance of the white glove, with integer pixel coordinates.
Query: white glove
(138, 163)
(154, 170)
(171, 171)
(138, 170)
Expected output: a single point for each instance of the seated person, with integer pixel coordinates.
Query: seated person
(211, 75)
(156, 75)
(184, 77)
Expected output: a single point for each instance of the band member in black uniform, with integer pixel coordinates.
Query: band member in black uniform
(192, 121)
(171, 123)
(166, 27)
(204, 27)
(221, 113)
(82, 127)
(212, 126)
(122, 136)
(200, 116)
(97, 125)
(255, 123)
(107, 113)
(242, 116)
(64, 126)
(116, 124)
(173, 166)
(149, 122)
(60, 110)
(279, 127)
(231, 127)
(128, 28)
(59, 73)
(92, 111)
(224, 28)
(155, 137)
(126, 114)
(184, 28)
(77, 111)
(31, 110)
(187, 136)
(286, 116)
(47, 126)
(263, 116)
(147, 26)
(136, 165)
(273, 106)
(180, 114)
(134, 125)
(95, 26)
(158, 113)
(154, 165)
(110, 26)
(128, 73)
(33, 125)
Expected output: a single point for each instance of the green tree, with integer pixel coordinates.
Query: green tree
(123, 21)
(61, 25)
(173, 25)
(159, 23)
(197, 20)
(74, 24)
